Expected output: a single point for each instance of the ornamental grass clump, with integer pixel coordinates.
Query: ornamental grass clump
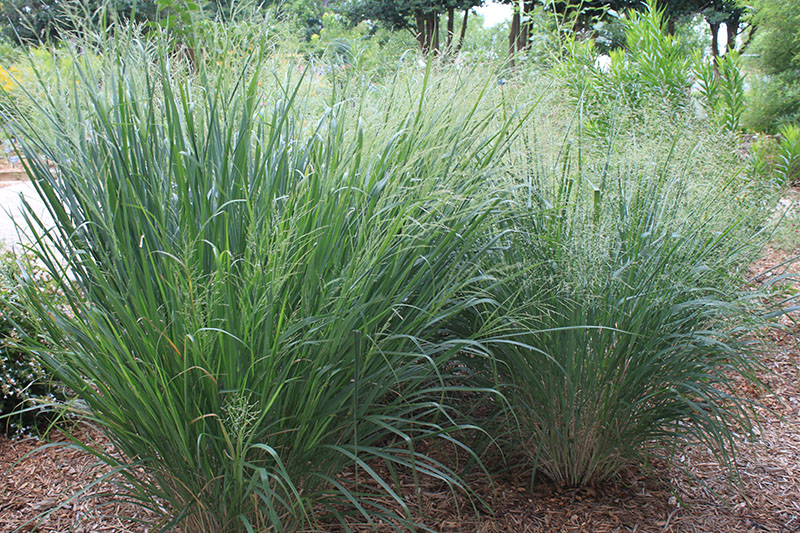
(625, 333)
(259, 299)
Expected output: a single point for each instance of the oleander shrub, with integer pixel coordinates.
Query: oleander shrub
(653, 67)
(789, 154)
(721, 91)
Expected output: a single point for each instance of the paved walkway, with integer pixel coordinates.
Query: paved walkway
(11, 194)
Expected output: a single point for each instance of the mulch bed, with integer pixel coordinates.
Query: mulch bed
(36, 480)
(698, 497)
(11, 171)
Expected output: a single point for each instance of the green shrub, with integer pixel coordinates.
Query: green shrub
(762, 157)
(8, 52)
(657, 62)
(651, 71)
(774, 96)
(772, 101)
(264, 297)
(370, 50)
(722, 91)
(789, 154)
(42, 21)
(24, 382)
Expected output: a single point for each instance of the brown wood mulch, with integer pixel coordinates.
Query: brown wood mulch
(36, 480)
(698, 497)
(11, 171)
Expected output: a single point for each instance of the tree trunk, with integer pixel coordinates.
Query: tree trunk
(421, 30)
(528, 7)
(715, 46)
(522, 36)
(671, 25)
(451, 24)
(463, 31)
(732, 26)
(714, 39)
(426, 28)
(513, 35)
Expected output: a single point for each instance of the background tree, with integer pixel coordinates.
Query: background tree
(520, 29)
(35, 21)
(574, 16)
(717, 13)
(775, 56)
(420, 17)
(677, 10)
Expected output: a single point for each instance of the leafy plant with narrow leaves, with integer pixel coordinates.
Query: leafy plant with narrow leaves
(621, 332)
(721, 89)
(259, 302)
(789, 154)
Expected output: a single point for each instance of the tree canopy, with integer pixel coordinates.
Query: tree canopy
(421, 17)
(775, 51)
(27, 21)
(32, 21)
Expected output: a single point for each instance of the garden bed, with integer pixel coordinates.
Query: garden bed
(8, 177)
(701, 498)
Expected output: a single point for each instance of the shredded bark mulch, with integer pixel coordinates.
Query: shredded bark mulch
(38, 481)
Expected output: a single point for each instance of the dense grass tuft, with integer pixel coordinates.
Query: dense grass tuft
(624, 331)
(282, 270)
(261, 301)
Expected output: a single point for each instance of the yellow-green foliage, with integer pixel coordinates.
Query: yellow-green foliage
(37, 74)
(9, 83)
(8, 77)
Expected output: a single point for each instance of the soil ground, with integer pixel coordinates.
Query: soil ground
(697, 497)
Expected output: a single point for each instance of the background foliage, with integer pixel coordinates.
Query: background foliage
(774, 99)
(24, 382)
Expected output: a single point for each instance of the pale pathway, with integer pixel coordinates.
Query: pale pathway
(10, 210)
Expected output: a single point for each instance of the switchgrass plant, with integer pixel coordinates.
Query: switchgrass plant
(260, 299)
(622, 332)
(274, 281)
